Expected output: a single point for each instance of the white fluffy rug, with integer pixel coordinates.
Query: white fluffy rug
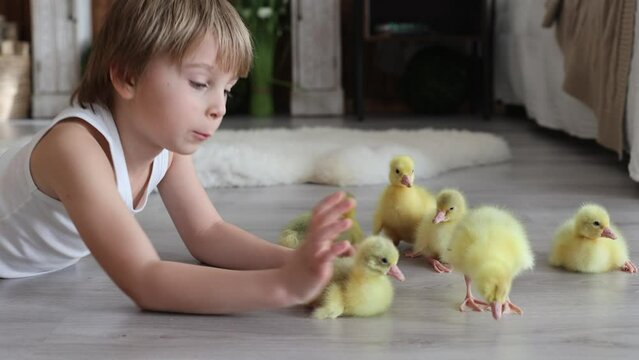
(337, 156)
(333, 156)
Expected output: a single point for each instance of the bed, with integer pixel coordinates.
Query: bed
(529, 71)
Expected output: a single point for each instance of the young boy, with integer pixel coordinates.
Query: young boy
(154, 89)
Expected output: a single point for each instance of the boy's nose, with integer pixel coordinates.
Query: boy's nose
(216, 113)
(217, 109)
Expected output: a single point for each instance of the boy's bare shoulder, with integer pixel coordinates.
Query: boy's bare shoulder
(70, 148)
(69, 130)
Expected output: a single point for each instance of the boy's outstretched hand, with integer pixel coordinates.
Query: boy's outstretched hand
(311, 266)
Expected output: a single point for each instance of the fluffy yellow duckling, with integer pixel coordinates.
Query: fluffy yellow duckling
(589, 242)
(435, 229)
(402, 205)
(360, 286)
(295, 231)
(490, 247)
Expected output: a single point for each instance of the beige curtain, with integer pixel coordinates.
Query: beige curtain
(596, 38)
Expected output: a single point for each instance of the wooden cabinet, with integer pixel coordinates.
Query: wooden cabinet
(316, 58)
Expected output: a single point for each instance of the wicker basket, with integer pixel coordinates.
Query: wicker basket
(15, 80)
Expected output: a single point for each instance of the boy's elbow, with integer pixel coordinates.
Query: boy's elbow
(199, 253)
(199, 257)
(142, 299)
(138, 297)
(145, 304)
(141, 291)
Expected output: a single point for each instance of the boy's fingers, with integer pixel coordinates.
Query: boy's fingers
(343, 248)
(328, 202)
(329, 232)
(349, 252)
(337, 249)
(332, 214)
(318, 238)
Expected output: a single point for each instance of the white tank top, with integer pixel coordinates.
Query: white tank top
(36, 234)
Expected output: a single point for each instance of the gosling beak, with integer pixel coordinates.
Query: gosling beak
(396, 273)
(441, 216)
(496, 309)
(607, 233)
(406, 181)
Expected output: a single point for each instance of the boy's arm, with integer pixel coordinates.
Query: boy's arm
(71, 164)
(208, 237)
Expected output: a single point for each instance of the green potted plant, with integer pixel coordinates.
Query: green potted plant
(262, 17)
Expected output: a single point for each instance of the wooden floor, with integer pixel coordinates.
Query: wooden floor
(77, 313)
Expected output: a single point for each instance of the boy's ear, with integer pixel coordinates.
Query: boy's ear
(123, 85)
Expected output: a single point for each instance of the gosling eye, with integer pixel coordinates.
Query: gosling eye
(451, 208)
(596, 223)
(412, 172)
(397, 171)
(385, 261)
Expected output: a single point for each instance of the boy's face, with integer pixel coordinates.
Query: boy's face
(178, 106)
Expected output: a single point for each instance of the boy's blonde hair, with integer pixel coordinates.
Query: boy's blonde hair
(135, 31)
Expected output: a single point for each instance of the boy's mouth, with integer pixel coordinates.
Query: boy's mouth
(201, 135)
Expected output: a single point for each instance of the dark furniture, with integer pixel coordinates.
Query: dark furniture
(429, 21)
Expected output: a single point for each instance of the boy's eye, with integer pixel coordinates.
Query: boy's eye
(198, 85)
